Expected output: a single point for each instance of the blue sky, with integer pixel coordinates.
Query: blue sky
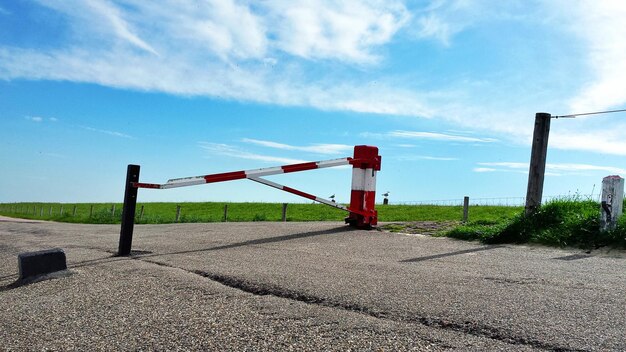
(447, 89)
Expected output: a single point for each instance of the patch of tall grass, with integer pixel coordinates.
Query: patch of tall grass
(561, 222)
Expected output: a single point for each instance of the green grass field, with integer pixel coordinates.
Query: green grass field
(161, 213)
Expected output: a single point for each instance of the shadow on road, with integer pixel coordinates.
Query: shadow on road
(443, 255)
(254, 242)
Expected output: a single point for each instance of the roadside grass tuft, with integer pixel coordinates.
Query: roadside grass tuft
(563, 222)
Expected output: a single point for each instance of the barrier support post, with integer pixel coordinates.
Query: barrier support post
(128, 212)
(365, 163)
(538, 157)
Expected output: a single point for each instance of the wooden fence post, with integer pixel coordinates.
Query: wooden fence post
(113, 211)
(284, 212)
(538, 156)
(74, 211)
(91, 211)
(225, 212)
(141, 213)
(61, 210)
(177, 213)
(465, 208)
(612, 201)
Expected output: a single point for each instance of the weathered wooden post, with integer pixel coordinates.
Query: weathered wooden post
(225, 212)
(465, 208)
(91, 211)
(74, 211)
(177, 213)
(284, 212)
(612, 201)
(538, 157)
(113, 211)
(141, 213)
(128, 212)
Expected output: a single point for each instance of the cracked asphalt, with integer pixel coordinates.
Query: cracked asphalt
(305, 286)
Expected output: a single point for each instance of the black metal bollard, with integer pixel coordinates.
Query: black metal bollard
(128, 211)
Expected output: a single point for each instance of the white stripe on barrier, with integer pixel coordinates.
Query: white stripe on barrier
(370, 180)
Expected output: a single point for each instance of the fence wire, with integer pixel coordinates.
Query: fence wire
(497, 201)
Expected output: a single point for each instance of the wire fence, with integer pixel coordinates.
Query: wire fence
(496, 201)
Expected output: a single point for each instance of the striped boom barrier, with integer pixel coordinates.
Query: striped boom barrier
(238, 175)
(362, 213)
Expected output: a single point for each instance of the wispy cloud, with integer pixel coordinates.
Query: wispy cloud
(107, 132)
(235, 152)
(4, 11)
(315, 148)
(333, 55)
(345, 30)
(484, 169)
(601, 26)
(34, 118)
(439, 136)
(41, 119)
(424, 157)
(551, 168)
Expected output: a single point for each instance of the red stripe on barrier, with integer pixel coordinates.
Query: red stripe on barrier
(145, 185)
(299, 167)
(299, 193)
(227, 176)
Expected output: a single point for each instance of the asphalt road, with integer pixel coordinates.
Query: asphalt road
(306, 286)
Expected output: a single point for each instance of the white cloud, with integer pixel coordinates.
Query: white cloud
(439, 136)
(34, 118)
(551, 168)
(297, 54)
(606, 140)
(601, 25)
(315, 148)
(98, 20)
(41, 119)
(234, 152)
(345, 30)
(425, 157)
(107, 132)
(442, 19)
(484, 169)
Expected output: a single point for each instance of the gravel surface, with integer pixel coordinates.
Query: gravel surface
(305, 286)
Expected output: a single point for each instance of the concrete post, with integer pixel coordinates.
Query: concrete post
(538, 156)
(612, 201)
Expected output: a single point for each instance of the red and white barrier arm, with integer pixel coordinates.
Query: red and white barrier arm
(238, 175)
(298, 193)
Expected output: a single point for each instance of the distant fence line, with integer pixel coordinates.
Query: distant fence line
(41, 210)
(109, 211)
(496, 201)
